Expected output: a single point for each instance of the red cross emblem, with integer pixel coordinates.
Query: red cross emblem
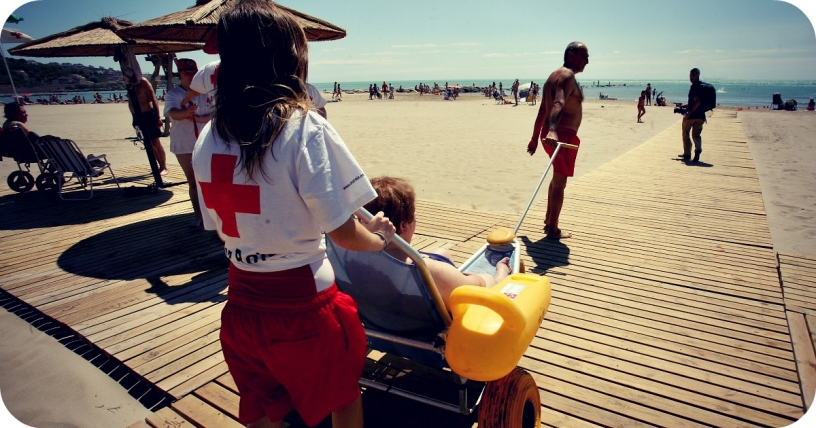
(214, 77)
(226, 198)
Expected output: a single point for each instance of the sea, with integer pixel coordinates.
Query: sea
(736, 93)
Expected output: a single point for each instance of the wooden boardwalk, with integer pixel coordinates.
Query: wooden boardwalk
(667, 306)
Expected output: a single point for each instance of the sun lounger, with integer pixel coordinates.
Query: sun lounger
(69, 163)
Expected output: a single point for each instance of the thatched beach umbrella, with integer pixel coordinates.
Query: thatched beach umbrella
(196, 22)
(97, 38)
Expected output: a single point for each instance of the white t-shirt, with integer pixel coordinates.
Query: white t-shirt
(317, 100)
(206, 81)
(182, 134)
(312, 184)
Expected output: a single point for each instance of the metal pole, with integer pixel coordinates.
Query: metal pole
(8, 70)
(535, 192)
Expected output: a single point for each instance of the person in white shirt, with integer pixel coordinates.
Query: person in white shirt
(205, 82)
(187, 120)
(273, 175)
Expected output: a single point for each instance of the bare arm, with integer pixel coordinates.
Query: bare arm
(181, 113)
(358, 236)
(539, 122)
(189, 96)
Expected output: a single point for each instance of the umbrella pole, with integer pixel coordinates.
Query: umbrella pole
(151, 156)
(8, 70)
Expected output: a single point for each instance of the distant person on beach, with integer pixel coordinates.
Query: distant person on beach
(397, 200)
(147, 118)
(515, 89)
(339, 93)
(558, 119)
(648, 94)
(273, 175)
(187, 121)
(693, 119)
(535, 88)
(641, 108)
(811, 105)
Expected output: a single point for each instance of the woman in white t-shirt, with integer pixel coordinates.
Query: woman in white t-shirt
(273, 175)
(187, 120)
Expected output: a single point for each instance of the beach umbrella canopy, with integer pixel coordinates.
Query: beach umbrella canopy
(97, 38)
(195, 24)
(10, 37)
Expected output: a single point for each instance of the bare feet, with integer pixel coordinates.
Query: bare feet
(558, 234)
(503, 269)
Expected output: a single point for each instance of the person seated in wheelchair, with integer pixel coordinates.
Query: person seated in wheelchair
(397, 200)
(16, 115)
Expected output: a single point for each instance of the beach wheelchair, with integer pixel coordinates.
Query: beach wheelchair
(14, 144)
(476, 346)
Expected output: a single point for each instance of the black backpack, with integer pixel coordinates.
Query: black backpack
(708, 96)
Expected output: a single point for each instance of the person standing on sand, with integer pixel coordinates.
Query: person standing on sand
(559, 117)
(641, 109)
(648, 94)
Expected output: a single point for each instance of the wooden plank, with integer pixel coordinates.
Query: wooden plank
(219, 397)
(199, 380)
(139, 424)
(805, 356)
(202, 414)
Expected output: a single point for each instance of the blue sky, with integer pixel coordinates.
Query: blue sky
(456, 39)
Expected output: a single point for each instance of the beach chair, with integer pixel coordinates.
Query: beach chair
(776, 102)
(14, 144)
(69, 163)
(478, 346)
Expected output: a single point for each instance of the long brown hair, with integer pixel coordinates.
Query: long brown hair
(261, 79)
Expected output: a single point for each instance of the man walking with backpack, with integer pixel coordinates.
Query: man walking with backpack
(698, 103)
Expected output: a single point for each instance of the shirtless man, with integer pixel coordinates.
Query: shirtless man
(148, 119)
(559, 116)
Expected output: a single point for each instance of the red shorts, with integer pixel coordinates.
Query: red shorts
(564, 163)
(303, 353)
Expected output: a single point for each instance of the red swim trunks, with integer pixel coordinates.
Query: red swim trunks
(564, 163)
(296, 353)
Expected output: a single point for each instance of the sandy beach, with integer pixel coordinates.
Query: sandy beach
(469, 152)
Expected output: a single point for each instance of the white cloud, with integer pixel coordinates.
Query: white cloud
(427, 45)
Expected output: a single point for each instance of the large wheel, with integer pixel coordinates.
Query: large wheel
(511, 402)
(47, 182)
(20, 181)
